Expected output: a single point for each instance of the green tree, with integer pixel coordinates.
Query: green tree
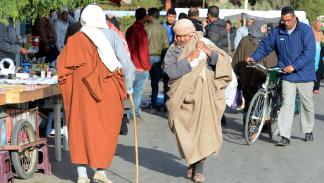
(313, 8)
(30, 9)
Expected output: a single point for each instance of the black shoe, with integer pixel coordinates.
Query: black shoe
(283, 142)
(309, 137)
(223, 121)
(163, 109)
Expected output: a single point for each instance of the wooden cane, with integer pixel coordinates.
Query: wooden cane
(135, 137)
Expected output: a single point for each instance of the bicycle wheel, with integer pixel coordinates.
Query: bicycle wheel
(255, 117)
(24, 161)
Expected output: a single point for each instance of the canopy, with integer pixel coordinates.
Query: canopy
(269, 16)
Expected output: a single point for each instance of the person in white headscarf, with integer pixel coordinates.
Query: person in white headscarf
(91, 69)
(199, 71)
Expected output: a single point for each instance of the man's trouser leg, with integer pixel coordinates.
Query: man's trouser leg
(307, 117)
(165, 87)
(286, 114)
(155, 73)
(138, 87)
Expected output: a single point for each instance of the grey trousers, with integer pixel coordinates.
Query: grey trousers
(286, 114)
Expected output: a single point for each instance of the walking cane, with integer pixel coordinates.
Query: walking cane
(135, 136)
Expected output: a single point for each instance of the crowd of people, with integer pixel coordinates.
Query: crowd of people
(98, 66)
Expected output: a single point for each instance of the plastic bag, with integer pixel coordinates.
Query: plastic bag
(239, 101)
(231, 91)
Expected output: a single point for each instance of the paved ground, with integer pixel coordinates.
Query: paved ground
(237, 162)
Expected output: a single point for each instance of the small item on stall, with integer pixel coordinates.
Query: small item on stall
(7, 67)
(49, 74)
(26, 67)
(34, 67)
(35, 45)
(22, 75)
(42, 74)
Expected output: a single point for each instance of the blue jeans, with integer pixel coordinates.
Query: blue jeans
(138, 87)
(157, 74)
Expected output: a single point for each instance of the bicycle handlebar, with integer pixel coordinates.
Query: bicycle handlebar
(277, 69)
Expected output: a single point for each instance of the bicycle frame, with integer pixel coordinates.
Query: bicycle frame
(269, 96)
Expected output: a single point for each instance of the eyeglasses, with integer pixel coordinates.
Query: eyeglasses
(183, 36)
(287, 21)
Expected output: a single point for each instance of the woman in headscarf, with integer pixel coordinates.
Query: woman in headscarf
(198, 71)
(91, 79)
(250, 79)
(319, 38)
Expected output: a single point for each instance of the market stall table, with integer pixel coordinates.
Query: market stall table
(17, 94)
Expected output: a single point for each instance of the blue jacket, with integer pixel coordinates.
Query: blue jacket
(296, 49)
(170, 32)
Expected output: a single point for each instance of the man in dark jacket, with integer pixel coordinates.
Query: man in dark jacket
(216, 32)
(216, 29)
(294, 44)
(193, 15)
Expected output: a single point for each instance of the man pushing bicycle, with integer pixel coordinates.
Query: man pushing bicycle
(294, 44)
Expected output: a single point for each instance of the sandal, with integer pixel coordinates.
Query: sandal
(190, 171)
(199, 178)
(199, 168)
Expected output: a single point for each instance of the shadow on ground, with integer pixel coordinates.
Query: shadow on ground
(319, 117)
(64, 169)
(233, 132)
(152, 158)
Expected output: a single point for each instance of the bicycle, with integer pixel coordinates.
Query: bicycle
(264, 105)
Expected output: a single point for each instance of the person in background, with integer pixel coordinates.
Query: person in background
(52, 17)
(251, 79)
(230, 37)
(158, 43)
(73, 28)
(193, 15)
(91, 78)
(138, 45)
(294, 44)
(216, 28)
(216, 32)
(319, 38)
(112, 18)
(242, 31)
(168, 24)
(47, 39)
(60, 26)
(198, 71)
(9, 45)
(182, 15)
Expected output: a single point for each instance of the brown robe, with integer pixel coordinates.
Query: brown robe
(197, 103)
(250, 76)
(93, 102)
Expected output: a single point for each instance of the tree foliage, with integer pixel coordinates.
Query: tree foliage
(313, 8)
(30, 9)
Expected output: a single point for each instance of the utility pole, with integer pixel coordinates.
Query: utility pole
(167, 5)
(246, 3)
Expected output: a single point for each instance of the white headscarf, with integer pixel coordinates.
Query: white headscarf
(93, 19)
